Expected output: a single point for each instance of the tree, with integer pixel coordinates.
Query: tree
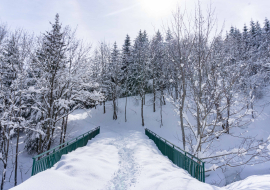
(126, 68)
(139, 68)
(179, 52)
(60, 72)
(15, 53)
(104, 53)
(114, 74)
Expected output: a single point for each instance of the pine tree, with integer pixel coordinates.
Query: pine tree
(12, 84)
(158, 68)
(51, 60)
(114, 73)
(139, 69)
(126, 68)
(157, 62)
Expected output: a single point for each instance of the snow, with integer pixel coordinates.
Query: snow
(251, 183)
(128, 160)
(122, 157)
(118, 158)
(78, 116)
(87, 166)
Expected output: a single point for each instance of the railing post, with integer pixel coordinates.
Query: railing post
(185, 161)
(203, 179)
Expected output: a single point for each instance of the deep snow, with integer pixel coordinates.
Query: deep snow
(122, 157)
(119, 159)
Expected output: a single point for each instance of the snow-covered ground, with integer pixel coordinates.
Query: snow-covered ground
(119, 158)
(122, 157)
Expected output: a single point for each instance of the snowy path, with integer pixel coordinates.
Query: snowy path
(128, 170)
(117, 159)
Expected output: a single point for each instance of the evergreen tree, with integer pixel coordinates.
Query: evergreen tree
(126, 68)
(114, 73)
(140, 69)
(51, 63)
(12, 92)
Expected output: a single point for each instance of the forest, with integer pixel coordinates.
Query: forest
(212, 77)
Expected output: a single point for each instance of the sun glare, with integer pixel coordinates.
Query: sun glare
(158, 8)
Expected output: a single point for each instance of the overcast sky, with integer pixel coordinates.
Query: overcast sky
(111, 20)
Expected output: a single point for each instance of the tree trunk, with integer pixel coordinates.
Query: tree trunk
(48, 134)
(154, 92)
(126, 110)
(142, 112)
(104, 110)
(3, 176)
(154, 102)
(65, 130)
(40, 149)
(114, 109)
(161, 121)
(17, 147)
(164, 102)
(5, 163)
(182, 128)
(228, 116)
(16, 157)
(176, 90)
(144, 99)
(62, 130)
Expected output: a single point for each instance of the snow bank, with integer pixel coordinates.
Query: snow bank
(251, 183)
(159, 173)
(86, 168)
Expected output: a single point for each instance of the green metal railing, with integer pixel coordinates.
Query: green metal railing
(181, 158)
(47, 159)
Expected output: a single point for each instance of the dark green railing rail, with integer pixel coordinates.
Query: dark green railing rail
(47, 159)
(181, 158)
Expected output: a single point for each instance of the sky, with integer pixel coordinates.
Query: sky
(111, 20)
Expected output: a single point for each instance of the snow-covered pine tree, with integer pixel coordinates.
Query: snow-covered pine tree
(104, 54)
(139, 69)
(157, 54)
(114, 75)
(50, 65)
(12, 92)
(61, 83)
(126, 68)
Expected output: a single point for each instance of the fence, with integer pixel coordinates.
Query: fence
(47, 159)
(181, 158)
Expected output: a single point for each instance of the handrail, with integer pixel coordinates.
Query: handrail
(63, 144)
(48, 158)
(178, 156)
(174, 145)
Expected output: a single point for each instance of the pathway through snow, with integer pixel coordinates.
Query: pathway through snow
(127, 168)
